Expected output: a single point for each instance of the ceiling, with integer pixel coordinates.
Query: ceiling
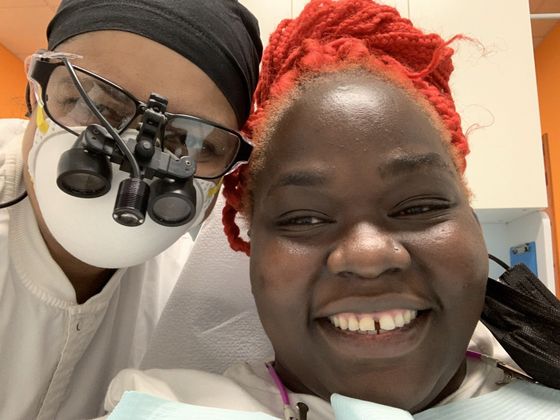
(542, 27)
(23, 23)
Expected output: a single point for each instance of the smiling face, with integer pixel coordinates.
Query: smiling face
(368, 266)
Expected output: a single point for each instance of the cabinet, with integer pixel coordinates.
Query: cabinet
(494, 86)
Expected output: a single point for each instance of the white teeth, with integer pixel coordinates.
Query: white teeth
(386, 323)
(367, 324)
(372, 324)
(353, 324)
(407, 315)
(335, 320)
(399, 320)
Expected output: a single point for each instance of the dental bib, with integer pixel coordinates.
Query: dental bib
(85, 226)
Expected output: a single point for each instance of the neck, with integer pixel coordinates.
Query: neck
(292, 383)
(453, 385)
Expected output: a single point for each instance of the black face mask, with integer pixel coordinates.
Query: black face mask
(524, 316)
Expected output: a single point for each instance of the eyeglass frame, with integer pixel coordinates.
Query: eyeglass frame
(42, 68)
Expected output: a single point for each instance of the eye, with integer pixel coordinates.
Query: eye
(301, 221)
(430, 207)
(298, 221)
(208, 152)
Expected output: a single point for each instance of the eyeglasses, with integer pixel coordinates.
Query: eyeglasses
(217, 150)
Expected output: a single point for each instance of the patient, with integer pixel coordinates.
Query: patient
(368, 266)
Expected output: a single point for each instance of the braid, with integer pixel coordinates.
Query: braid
(331, 35)
(232, 193)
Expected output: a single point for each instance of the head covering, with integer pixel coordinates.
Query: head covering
(219, 36)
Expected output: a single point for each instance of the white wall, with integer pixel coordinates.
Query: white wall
(269, 13)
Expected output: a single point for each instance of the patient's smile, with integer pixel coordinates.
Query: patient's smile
(373, 323)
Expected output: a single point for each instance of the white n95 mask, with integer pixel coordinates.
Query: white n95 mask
(85, 226)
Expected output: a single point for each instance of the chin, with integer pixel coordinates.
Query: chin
(412, 400)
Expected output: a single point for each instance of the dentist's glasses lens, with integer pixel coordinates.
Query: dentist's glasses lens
(214, 149)
(65, 105)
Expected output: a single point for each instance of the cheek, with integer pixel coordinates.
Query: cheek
(277, 265)
(282, 274)
(455, 254)
(453, 246)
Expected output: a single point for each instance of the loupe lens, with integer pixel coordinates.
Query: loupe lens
(171, 203)
(84, 184)
(83, 174)
(172, 209)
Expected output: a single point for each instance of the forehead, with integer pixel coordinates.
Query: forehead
(357, 115)
(142, 66)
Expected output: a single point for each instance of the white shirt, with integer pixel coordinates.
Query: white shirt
(57, 357)
(249, 387)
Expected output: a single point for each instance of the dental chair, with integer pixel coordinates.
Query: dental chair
(210, 320)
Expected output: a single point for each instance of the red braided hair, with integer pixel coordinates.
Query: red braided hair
(332, 35)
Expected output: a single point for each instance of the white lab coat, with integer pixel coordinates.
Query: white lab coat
(57, 357)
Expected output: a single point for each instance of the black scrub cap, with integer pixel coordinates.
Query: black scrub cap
(219, 36)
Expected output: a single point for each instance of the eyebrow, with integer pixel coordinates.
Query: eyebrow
(398, 165)
(401, 165)
(302, 178)
(106, 87)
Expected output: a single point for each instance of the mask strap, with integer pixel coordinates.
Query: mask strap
(499, 262)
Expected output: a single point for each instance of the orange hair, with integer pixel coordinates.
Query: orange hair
(330, 36)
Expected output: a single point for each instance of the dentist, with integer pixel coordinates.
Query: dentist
(135, 109)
